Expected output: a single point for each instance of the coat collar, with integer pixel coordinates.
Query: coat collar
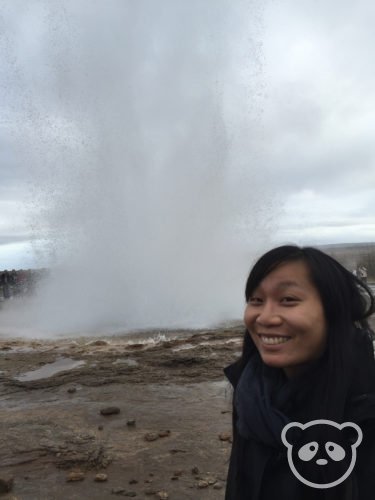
(233, 373)
(361, 407)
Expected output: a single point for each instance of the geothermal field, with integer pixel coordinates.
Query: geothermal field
(146, 415)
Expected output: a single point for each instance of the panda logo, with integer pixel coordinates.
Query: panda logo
(321, 453)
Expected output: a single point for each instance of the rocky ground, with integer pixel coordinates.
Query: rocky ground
(145, 416)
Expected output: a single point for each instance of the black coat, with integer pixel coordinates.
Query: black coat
(260, 472)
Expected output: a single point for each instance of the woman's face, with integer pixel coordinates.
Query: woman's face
(285, 318)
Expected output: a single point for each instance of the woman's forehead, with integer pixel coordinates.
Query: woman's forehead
(294, 274)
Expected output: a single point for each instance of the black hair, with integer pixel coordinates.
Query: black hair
(348, 302)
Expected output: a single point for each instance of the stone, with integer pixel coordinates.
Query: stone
(123, 492)
(133, 481)
(162, 495)
(75, 476)
(195, 471)
(151, 436)
(225, 436)
(101, 477)
(218, 486)
(130, 423)
(110, 410)
(72, 390)
(164, 433)
(118, 491)
(202, 484)
(6, 483)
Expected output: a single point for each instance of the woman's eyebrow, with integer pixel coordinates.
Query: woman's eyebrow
(288, 284)
(282, 285)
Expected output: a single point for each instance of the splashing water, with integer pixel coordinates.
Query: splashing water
(139, 123)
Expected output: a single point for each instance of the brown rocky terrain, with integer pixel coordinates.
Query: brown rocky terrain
(143, 416)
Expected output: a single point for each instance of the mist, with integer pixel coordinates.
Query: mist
(142, 144)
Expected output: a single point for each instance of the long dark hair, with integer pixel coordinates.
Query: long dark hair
(349, 363)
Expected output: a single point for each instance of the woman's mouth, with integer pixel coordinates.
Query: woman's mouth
(273, 340)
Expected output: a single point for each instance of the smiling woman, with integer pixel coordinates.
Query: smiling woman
(285, 318)
(307, 355)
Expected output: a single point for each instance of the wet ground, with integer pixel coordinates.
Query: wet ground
(145, 416)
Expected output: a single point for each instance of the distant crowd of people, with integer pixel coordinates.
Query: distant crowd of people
(18, 283)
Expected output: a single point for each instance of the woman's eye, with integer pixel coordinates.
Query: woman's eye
(255, 301)
(289, 300)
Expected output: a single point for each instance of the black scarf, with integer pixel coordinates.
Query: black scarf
(260, 395)
(265, 401)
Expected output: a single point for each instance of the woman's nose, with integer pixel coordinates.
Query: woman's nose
(268, 316)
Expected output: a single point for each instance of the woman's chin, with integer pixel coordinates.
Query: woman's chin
(276, 362)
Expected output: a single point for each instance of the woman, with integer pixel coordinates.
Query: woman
(307, 355)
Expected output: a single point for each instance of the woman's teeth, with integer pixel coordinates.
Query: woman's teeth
(274, 340)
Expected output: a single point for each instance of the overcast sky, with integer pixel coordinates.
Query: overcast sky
(306, 67)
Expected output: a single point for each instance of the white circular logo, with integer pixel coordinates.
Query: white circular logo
(321, 453)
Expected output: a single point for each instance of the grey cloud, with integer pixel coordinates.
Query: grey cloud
(319, 85)
(6, 239)
(88, 82)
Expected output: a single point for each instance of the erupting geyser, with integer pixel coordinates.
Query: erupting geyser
(140, 123)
